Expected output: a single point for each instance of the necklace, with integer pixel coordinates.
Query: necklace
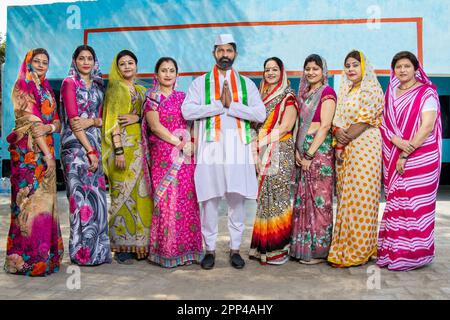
(400, 88)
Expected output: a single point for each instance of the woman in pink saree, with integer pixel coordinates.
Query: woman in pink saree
(412, 144)
(175, 237)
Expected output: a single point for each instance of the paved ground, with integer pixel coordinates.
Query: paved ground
(289, 281)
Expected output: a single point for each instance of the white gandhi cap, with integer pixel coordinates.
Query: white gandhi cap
(222, 39)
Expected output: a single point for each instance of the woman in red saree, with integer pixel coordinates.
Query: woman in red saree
(276, 164)
(412, 144)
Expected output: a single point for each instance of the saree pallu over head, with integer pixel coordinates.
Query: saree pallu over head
(84, 99)
(308, 105)
(403, 119)
(238, 93)
(33, 100)
(117, 102)
(86, 191)
(406, 235)
(369, 100)
(130, 212)
(276, 101)
(358, 176)
(34, 245)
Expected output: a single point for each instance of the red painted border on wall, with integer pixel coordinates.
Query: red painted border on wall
(417, 20)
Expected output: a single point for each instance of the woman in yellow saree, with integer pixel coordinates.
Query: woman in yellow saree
(358, 167)
(131, 205)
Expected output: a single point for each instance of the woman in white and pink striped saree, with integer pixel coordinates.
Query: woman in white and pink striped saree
(412, 140)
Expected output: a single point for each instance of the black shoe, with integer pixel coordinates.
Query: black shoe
(237, 261)
(124, 257)
(208, 261)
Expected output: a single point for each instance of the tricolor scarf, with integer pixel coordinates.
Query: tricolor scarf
(212, 92)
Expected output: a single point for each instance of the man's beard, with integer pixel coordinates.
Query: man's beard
(224, 63)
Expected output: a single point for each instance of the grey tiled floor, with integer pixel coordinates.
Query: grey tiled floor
(289, 281)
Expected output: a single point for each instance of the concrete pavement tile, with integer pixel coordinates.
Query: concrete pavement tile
(289, 281)
(446, 290)
(428, 293)
(378, 297)
(12, 294)
(407, 296)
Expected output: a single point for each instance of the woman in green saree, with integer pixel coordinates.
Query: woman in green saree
(131, 205)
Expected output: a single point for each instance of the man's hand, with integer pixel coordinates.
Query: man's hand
(226, 95)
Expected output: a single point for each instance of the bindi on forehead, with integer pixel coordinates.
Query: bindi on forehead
(85, 54)
(167, 65)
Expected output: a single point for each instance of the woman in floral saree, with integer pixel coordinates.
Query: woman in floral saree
(34, 246)
(131, 206)
(313, 204)
(81, 117)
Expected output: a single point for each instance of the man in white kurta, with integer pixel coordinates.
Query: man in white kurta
(224, 162)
